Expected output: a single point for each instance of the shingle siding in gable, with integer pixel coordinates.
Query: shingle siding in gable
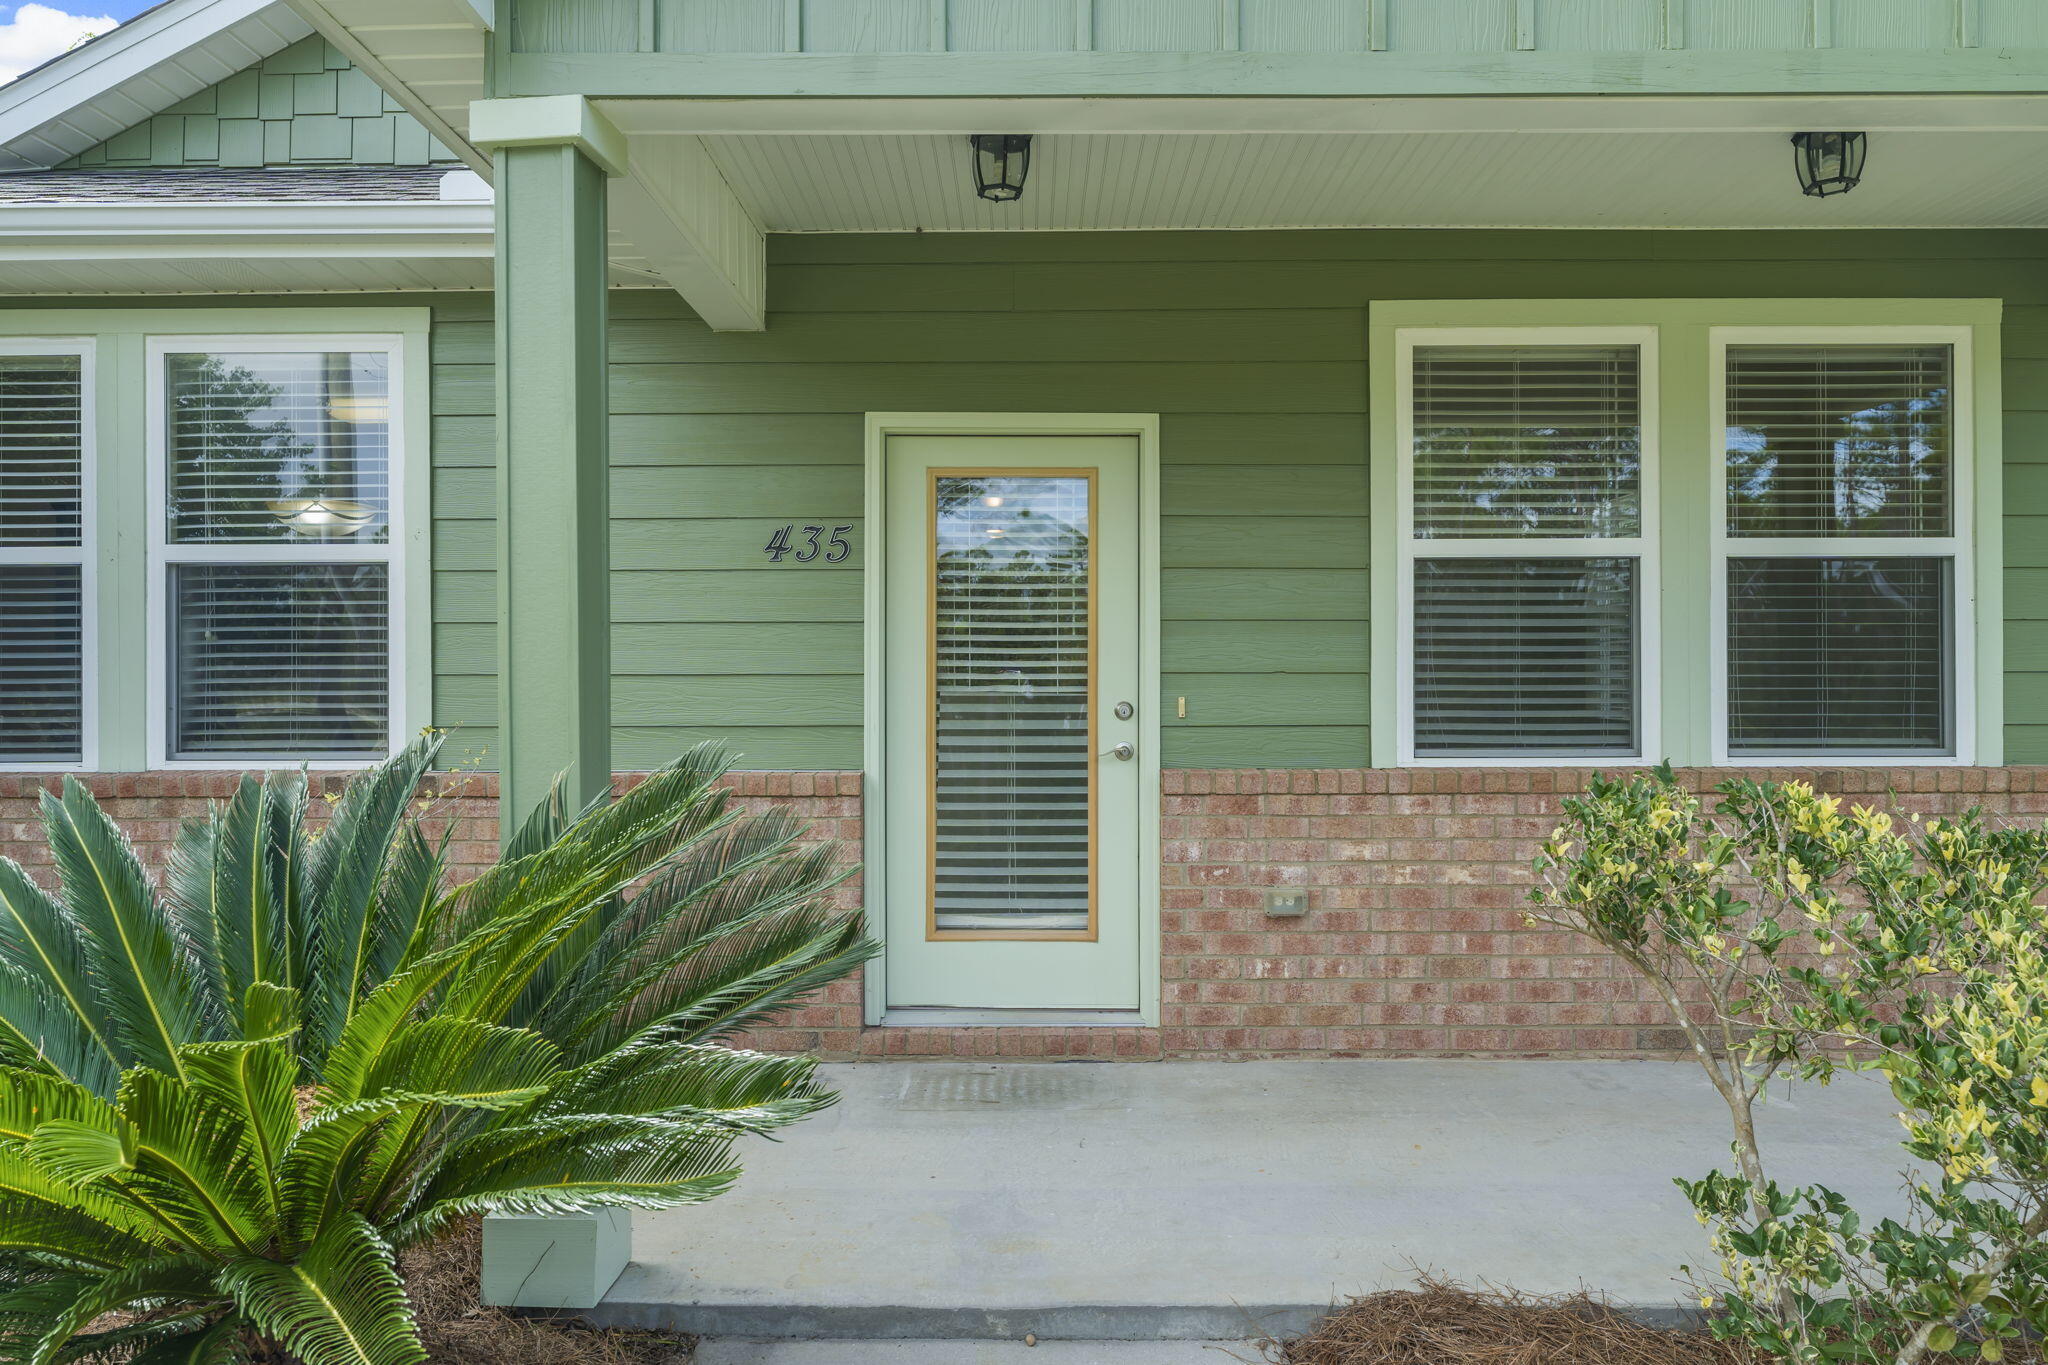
(304, 106)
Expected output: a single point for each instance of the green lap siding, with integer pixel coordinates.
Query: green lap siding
(1250, 346)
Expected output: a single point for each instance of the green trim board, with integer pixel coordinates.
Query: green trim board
(302, 106)
(1680, 484)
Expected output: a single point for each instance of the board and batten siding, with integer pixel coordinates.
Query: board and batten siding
(1413, 26)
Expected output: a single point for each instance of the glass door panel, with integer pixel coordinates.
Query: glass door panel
(1013, 661)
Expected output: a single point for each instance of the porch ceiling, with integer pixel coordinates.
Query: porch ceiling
(1559, 178)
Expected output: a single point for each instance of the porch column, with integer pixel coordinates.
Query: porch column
(552, 157)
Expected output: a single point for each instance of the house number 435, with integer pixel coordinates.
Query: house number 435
(811, 542)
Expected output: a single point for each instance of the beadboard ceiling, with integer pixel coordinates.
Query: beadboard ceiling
(1726, 178)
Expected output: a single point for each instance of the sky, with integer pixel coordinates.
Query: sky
(32, 33)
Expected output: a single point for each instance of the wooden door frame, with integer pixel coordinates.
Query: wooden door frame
(880, 426)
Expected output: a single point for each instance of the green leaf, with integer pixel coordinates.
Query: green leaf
(114, 1290)
(221, 1342)
(340, 1303)
(344, 874)
(148, 996)
(79, 1153)
(43, 944)
(257, 1080)
(194, 1152)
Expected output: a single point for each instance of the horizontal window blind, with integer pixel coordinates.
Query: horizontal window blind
(1525, 656)
(1012, 659)
(280, 659)
(42, 450)
(1840, 440)
(42, 578)
(1847, 655)
(42, 650)
(1527, 441)
(278, 447)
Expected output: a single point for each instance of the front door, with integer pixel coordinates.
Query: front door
(1012, 692)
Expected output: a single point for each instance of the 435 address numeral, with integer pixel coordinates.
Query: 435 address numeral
(812, 544)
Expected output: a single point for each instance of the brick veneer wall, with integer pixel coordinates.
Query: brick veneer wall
(1413, 945)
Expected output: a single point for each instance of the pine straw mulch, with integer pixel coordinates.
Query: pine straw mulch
(444, 1280)
(1442, 1322)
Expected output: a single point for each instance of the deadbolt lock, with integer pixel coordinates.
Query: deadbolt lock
(1124, 710)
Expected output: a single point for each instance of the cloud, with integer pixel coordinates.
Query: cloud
(35, 33)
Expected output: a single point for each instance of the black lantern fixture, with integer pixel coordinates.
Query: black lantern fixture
(1001, 161)
(1829, 163)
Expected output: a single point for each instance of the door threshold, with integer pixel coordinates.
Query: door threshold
(950, 1016)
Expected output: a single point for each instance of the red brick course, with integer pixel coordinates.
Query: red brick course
(1413, 945)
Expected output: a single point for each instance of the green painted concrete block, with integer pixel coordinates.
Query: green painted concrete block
(564, 1262)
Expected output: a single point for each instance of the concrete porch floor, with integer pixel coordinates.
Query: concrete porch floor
(1203, 1201)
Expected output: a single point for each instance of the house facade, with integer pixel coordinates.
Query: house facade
(1183, 487)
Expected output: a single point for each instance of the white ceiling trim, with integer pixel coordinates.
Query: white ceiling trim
(1396, 180)
(139, 69)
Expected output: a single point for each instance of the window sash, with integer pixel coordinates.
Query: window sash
(74, 553)
(1958, 547)
(1641, 548)
(167, 554)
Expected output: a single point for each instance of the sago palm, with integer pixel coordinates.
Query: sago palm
(225, 1103)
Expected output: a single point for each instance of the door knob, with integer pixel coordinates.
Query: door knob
(1122, 751)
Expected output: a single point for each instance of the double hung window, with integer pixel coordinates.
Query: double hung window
(1760, 548)
(1528, 463)
(1842, 545)
(273, 548)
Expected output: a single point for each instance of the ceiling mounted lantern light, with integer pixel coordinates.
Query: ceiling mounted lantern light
(1829, 163)
(1001, 161)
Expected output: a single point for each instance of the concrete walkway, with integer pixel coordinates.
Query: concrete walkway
(1202, 1201)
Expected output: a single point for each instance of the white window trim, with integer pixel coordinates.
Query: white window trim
(85, 554)
(162, 553)
(1645, 549)
(1960, 545)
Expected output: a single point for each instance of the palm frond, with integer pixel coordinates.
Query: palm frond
(344, 876)
(140, 1285)
(571, 1167)
(193, 1153)
(48, 1221)
(340, 1303)
(286, 960)
(41, 1031)
(257, 1079)
(40, 941)
(217, 898)
(749, 1091)
(223, 1341)
(145, 980)
(28, 1099)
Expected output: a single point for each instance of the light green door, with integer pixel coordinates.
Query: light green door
(1013, 781)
